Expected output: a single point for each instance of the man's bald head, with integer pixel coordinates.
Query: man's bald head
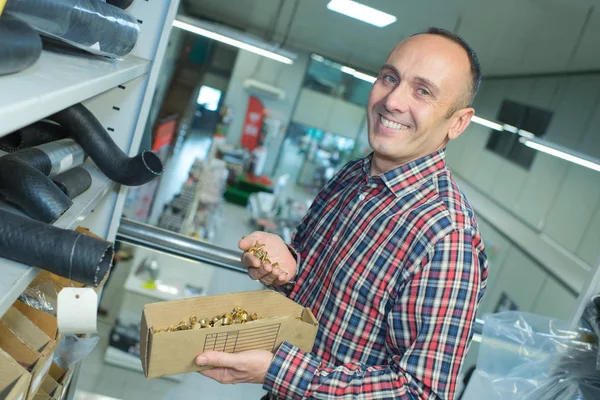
(475, 79)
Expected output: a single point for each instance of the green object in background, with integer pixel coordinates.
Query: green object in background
(237, 196)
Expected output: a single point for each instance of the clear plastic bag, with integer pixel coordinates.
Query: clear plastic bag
(73, 349)
(41, 297)
(531, 357)
(91, 25)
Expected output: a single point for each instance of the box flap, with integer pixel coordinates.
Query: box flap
(46, 322)
(50, 386)
(145, 341)
(26, 329)
(57, 372)
(14, 379)
(17, 348)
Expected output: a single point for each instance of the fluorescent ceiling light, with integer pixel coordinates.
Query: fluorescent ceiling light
(227, 36)
(510, 128)
(562, 152)
(358, 75)
(361, 12)
(488, 123)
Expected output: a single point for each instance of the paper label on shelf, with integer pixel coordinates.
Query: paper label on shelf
(77, 310)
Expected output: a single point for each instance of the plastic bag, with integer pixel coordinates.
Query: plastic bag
(91, 25)
(73, 349)
(530, 357)
(41, 297)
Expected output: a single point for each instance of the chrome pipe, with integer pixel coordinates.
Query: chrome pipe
(178, 245)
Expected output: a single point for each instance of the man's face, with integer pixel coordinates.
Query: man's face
(422, 80)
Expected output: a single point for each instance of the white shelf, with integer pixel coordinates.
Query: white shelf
(571, 270)
(122, 359)
(58, 80)
(16, 276)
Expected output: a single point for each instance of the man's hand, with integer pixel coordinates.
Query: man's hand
(278, 253)
(245, 367)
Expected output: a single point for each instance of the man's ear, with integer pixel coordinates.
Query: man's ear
(460, 120)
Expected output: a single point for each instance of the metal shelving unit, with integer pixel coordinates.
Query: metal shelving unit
(118, 92)
(57, 81)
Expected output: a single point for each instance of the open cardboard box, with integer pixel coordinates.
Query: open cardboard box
(14, 379)
(62, 377)
(45, 322)
(170, 353)
(50, 388)
(35, 358)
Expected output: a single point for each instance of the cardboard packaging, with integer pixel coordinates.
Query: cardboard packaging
(14, 379)
(170, 353)
(63, 378)
(27, 345)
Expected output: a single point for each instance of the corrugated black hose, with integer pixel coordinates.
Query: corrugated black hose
(24, 178)
(73, 182)
(32, 135)
(20, 45)
(97, 143)
(67, 253)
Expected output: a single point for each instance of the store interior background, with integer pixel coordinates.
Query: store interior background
(539, 214)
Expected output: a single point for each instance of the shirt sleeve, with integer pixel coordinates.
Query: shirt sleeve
(429, 330)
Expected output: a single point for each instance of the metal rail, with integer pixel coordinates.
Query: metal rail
(179, 245)
(183, 246)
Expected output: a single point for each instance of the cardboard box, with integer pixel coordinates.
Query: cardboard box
(37, 363)
(14, 379)
(27, 330)
(50, 387)
(170, 353)
(44, 321)
(62, 377)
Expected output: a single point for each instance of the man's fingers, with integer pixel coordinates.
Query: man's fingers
(217, 359)
(250, 240)
(250, 260)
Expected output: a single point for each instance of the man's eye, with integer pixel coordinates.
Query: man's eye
(423, 92)
(389, 79)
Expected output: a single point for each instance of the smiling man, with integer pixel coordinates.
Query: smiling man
(389, 257)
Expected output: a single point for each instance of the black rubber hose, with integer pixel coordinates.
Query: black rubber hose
(20, 45)
(24, 181)
(35, 134)
(67, 253)
(73, 182)
(99, 146)
(122, 4)
(90, 25)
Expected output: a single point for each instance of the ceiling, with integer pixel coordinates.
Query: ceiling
(511, 37)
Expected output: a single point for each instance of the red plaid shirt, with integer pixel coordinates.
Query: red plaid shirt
(393, 267)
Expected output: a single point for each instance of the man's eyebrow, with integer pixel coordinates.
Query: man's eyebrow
(389, 66)
(427, 82)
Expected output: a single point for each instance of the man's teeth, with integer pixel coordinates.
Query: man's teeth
(393, 125)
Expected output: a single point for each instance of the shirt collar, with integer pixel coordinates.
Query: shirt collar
(412, 173)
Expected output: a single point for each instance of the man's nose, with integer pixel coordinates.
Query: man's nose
(398, 99)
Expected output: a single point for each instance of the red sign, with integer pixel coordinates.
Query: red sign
(252, 124)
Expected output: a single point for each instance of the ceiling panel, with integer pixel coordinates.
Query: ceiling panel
(510, 36)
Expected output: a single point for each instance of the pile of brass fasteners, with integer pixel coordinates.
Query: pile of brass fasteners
(236, 316)
(259, 252)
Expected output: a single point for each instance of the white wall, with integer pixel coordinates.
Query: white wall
(558, 200)
(287, 77)
(555, 197)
